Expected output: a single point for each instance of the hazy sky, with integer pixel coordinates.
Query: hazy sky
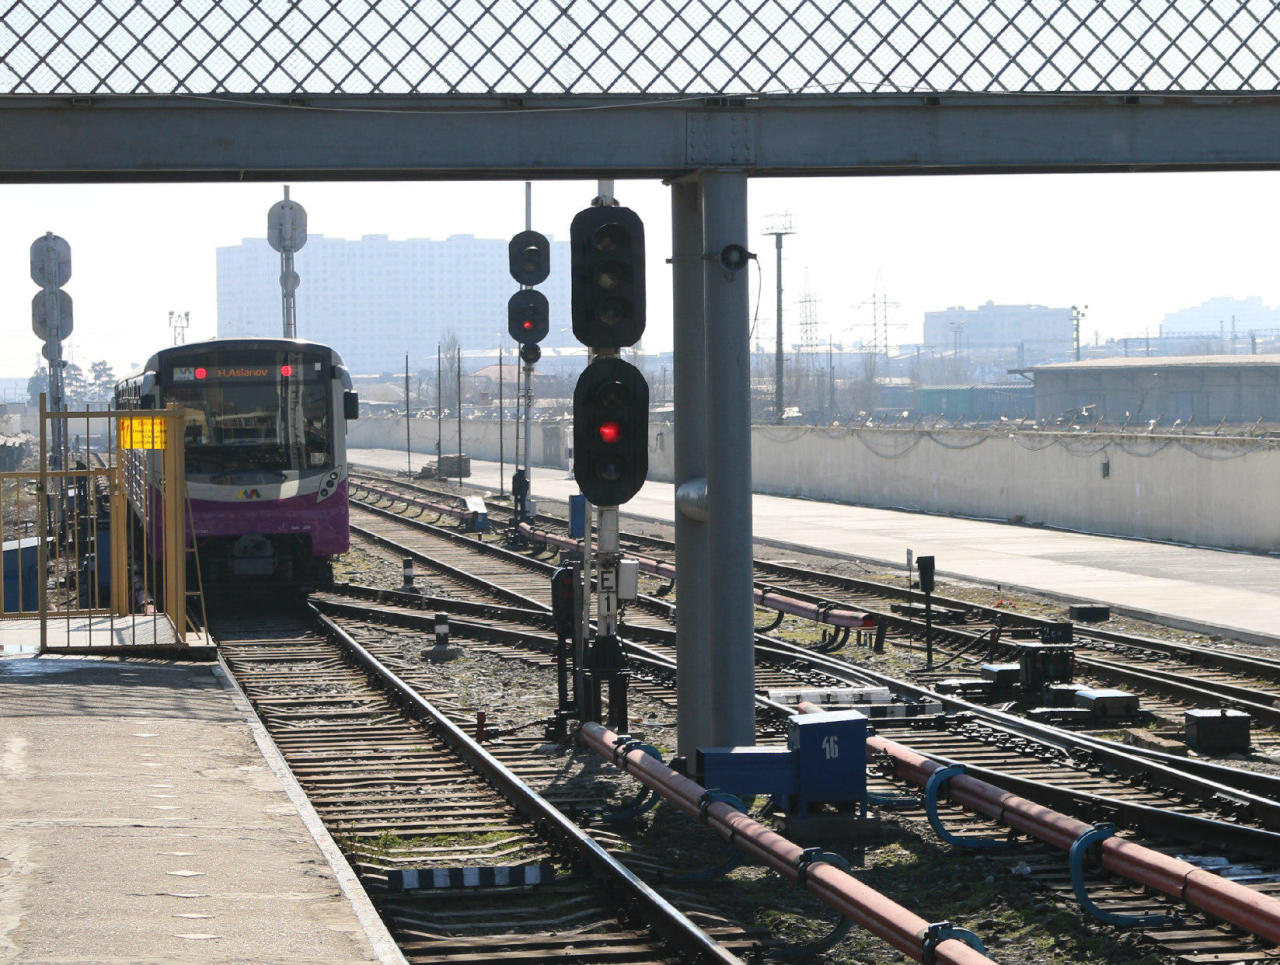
(1130, 246)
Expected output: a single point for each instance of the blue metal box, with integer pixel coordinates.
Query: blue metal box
(577, 516)
(748, 770)
(21, 575)
(831, 755)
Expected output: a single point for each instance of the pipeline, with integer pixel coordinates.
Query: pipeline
(903, 929)
(1244, 907)
(766, 597)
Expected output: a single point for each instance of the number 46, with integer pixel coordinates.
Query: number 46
(830, 747)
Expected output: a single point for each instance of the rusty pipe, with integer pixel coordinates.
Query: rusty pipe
(901, 928)
(1242, 906)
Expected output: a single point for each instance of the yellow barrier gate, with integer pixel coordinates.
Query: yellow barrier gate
(95, 537)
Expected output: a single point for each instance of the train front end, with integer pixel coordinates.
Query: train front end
(265, 444)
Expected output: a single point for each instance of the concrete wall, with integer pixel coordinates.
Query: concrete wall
(548, 446)
(1203, 490)
(1213, 492)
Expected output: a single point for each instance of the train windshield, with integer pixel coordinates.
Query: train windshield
(254, 411)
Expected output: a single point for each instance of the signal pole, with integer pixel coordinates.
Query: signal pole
(780, 228)
(51, 321)
(610, 426)
(179, 321)
(287, 233)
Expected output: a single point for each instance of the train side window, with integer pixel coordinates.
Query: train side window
(351, 405)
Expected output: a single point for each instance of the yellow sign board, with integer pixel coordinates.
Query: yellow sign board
(143, 432)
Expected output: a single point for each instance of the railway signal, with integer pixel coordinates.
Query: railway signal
(528, 316)
(529, 257)
(610, 431)
(606, 244)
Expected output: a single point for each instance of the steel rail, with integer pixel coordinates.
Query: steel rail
(415, 600)
(765, 596)
(1159, 820)
(1170, 684)
(1245, 792)
(668, 920)
(465, 515)
(1248, 792)
(453, 572)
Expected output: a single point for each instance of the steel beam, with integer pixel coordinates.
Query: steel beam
(728, 454)
(170, 138)
(693, 623)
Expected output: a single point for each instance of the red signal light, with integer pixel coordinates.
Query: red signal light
(610, 431)
(286, 370)
(526, 324)
(201, 373)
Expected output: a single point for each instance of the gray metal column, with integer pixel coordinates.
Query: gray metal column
(728, 388)
(693, 620)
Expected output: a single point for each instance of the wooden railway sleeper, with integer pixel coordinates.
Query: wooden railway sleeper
(1087, 845)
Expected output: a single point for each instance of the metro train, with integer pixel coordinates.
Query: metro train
(266, 454)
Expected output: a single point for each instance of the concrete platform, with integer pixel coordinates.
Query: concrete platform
(1236, 594)
(135, 633)
(141, 823)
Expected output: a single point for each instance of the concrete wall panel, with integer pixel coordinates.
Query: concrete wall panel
(1202, 490)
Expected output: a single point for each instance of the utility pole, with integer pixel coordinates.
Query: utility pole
(408, 446)
(1077, 314)
(779, 228)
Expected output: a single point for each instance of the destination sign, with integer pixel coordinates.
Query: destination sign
(231, 373)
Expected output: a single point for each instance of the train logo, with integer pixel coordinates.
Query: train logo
(250, 494)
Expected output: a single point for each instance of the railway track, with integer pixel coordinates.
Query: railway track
(410, 796)
(1069, 779)
(1171, 677)
(1096, 789)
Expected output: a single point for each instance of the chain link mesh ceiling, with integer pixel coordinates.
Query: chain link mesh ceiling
(660, 47)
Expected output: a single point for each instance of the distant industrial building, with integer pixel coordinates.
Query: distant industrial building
(1033, 331)
(1225, 318)
(1011, 400)
(374, 300)
(1203, 388)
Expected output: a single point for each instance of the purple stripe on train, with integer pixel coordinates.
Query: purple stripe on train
(326, 521)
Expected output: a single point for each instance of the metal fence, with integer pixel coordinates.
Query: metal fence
(93, 534)
(636, 47)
